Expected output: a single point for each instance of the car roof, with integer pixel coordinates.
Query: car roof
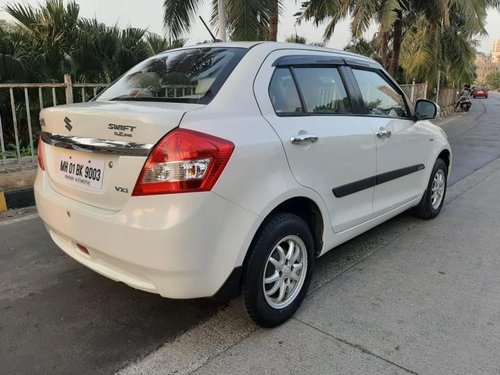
(274, 46)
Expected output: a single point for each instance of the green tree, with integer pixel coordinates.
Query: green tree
(429, 36)
(51, 40)
(296, 38)
(246, 19)
(363, 47)
(441, 37)
(156, 43)
(14, 59)
(493, 80)
(387, 13)
(45, 42)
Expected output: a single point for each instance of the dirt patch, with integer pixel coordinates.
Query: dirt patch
(17, 180)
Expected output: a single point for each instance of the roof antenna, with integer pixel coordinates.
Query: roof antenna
(210, 32)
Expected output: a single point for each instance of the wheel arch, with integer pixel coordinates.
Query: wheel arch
(302, 206)
(446, 156)
(307, 210)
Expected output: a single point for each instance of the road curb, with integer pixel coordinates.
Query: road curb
(18, 198)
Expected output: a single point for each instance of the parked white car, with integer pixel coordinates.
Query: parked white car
(227, 168)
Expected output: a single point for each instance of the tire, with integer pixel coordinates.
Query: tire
(430, 205)
(280, 230)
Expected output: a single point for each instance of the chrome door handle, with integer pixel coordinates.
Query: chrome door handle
(384, 133)
(303, 138)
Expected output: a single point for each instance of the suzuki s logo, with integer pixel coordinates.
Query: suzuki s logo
(68, 126)
(122, 130)
(120, 189)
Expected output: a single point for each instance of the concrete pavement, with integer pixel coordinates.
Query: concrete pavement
(426, 302)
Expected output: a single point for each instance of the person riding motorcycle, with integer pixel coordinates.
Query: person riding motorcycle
(464, 98)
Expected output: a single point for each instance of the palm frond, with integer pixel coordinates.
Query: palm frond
(26, 16)
(248, 19)
(156, 43)
(362, 13)
(178, 15)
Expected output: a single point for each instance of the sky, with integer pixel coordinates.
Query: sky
(148, 14)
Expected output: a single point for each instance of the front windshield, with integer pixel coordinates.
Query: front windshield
(192, 75)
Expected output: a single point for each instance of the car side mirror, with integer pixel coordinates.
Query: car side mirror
(426, 110)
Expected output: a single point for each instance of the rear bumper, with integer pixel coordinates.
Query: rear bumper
(179, 245)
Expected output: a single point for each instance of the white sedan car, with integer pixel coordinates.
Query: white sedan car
(226, 169)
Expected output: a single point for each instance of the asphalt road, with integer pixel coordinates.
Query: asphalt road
(474, 137)
(57, 317)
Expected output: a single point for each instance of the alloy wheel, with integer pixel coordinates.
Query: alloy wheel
(438, 189)
(285, 272)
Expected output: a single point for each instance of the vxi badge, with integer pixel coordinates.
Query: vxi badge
(120, 189)
(122, 130)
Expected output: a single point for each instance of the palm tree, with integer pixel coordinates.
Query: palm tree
(363, 47)
(51, 40)
(14, 58)
(442, 38)
(422, 21)
(50, 31)
(45, 42)
(387, 13)
(246, 19)
(274, 12)
(156, 43)
(296, 38)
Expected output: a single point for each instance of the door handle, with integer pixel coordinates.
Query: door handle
(384, 133)
(303, 138)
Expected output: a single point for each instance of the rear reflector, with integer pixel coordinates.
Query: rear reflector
(82, 248)
(184, 161)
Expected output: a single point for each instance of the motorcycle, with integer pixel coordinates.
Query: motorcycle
(464, 102)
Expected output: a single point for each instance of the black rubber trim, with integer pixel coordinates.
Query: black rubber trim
(355, 187)
(361, 63)
(231, 287)
(398, 173)
(351, 86)
(366, 183)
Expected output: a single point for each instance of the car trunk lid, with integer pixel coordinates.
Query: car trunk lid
(94, 152)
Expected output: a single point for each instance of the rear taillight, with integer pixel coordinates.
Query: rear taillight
(184, 161)
(41, 162)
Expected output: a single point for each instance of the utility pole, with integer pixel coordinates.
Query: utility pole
(221, 9)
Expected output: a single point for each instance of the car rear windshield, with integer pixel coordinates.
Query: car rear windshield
(192, 75)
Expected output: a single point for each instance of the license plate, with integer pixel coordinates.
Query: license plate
(86, 172)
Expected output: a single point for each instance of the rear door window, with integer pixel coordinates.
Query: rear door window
(283, 93)
(322, 90)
